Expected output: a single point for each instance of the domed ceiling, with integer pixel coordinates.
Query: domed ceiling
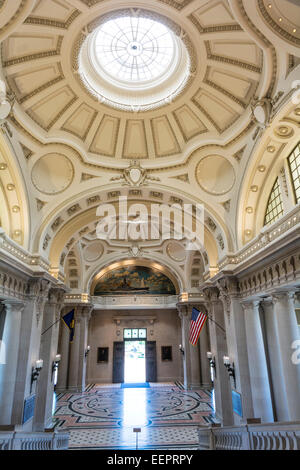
(42, 66)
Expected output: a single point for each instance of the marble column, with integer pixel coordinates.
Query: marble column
(183, 315)
(276, 368)
(48, 351)
(191, 357)
(77, 362)
(236, 344)
(259, 377)
(218, 348)
(29, 350)
(204, 346)
(284, 310)
(63, 349)
(8, 369)
(84, 325)
(195, 382)
(74, 355)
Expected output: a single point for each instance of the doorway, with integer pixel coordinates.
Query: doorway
(134, 358)
(135, 363)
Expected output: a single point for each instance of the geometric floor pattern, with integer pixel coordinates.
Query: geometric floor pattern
(103, 417)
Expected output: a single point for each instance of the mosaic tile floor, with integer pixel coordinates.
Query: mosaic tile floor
(103, 417)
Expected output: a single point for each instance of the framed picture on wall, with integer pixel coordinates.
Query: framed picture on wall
(166, 353)
(102, 355)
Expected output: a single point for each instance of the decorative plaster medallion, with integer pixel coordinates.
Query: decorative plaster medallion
(52, 173)
(176, 251)
(215, 175)
(284, 131)
(93, 251)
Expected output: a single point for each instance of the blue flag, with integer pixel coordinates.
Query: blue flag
(69, 321)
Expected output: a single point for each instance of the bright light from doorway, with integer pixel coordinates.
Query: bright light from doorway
(135, 367)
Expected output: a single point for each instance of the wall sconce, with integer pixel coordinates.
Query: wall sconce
(88, 348)
(230, 368)
(55, 364)
(181, 349)
(211, 359)
(36, 371)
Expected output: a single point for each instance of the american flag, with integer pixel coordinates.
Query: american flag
(197, 322)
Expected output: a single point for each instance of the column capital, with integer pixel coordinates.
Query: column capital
(267, 302)
(250, 304)
(185, 308)
(83, 311)
(13, 305)
(288, 295)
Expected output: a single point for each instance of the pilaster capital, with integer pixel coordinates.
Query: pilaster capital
(228, 285)
(211, 294)
(38, 288)
(56, 296)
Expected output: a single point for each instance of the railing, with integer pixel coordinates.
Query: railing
(11, 440)
(273, 436)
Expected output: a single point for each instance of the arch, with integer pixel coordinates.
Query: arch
(72, 229)
(266, 157)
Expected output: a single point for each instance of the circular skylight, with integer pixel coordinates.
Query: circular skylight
(134, 49)
(135, 63)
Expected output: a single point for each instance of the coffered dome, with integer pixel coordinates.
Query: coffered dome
(150, 82)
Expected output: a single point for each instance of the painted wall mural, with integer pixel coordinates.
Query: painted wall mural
(134, 280)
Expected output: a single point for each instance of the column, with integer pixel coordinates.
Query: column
(63, 349)
(204, 363)
(77, 362)
(278, 385)
(8, 370)
(183, 315)
(236, 343)
(284, 310)
(74, 355)
(259, 377)
(218, 347)
(195, 366)
(84, 324)
(48, 351)
(29, 350)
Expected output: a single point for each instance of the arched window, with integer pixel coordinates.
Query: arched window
(274, 207)
(294, 164)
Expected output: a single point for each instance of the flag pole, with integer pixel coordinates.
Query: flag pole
(60, 318)
(221, 327)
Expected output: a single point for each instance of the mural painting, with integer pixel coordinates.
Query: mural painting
(134, 280)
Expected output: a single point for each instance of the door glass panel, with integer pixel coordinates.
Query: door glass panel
(127, 333)
(142, 333)
(135, 333)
